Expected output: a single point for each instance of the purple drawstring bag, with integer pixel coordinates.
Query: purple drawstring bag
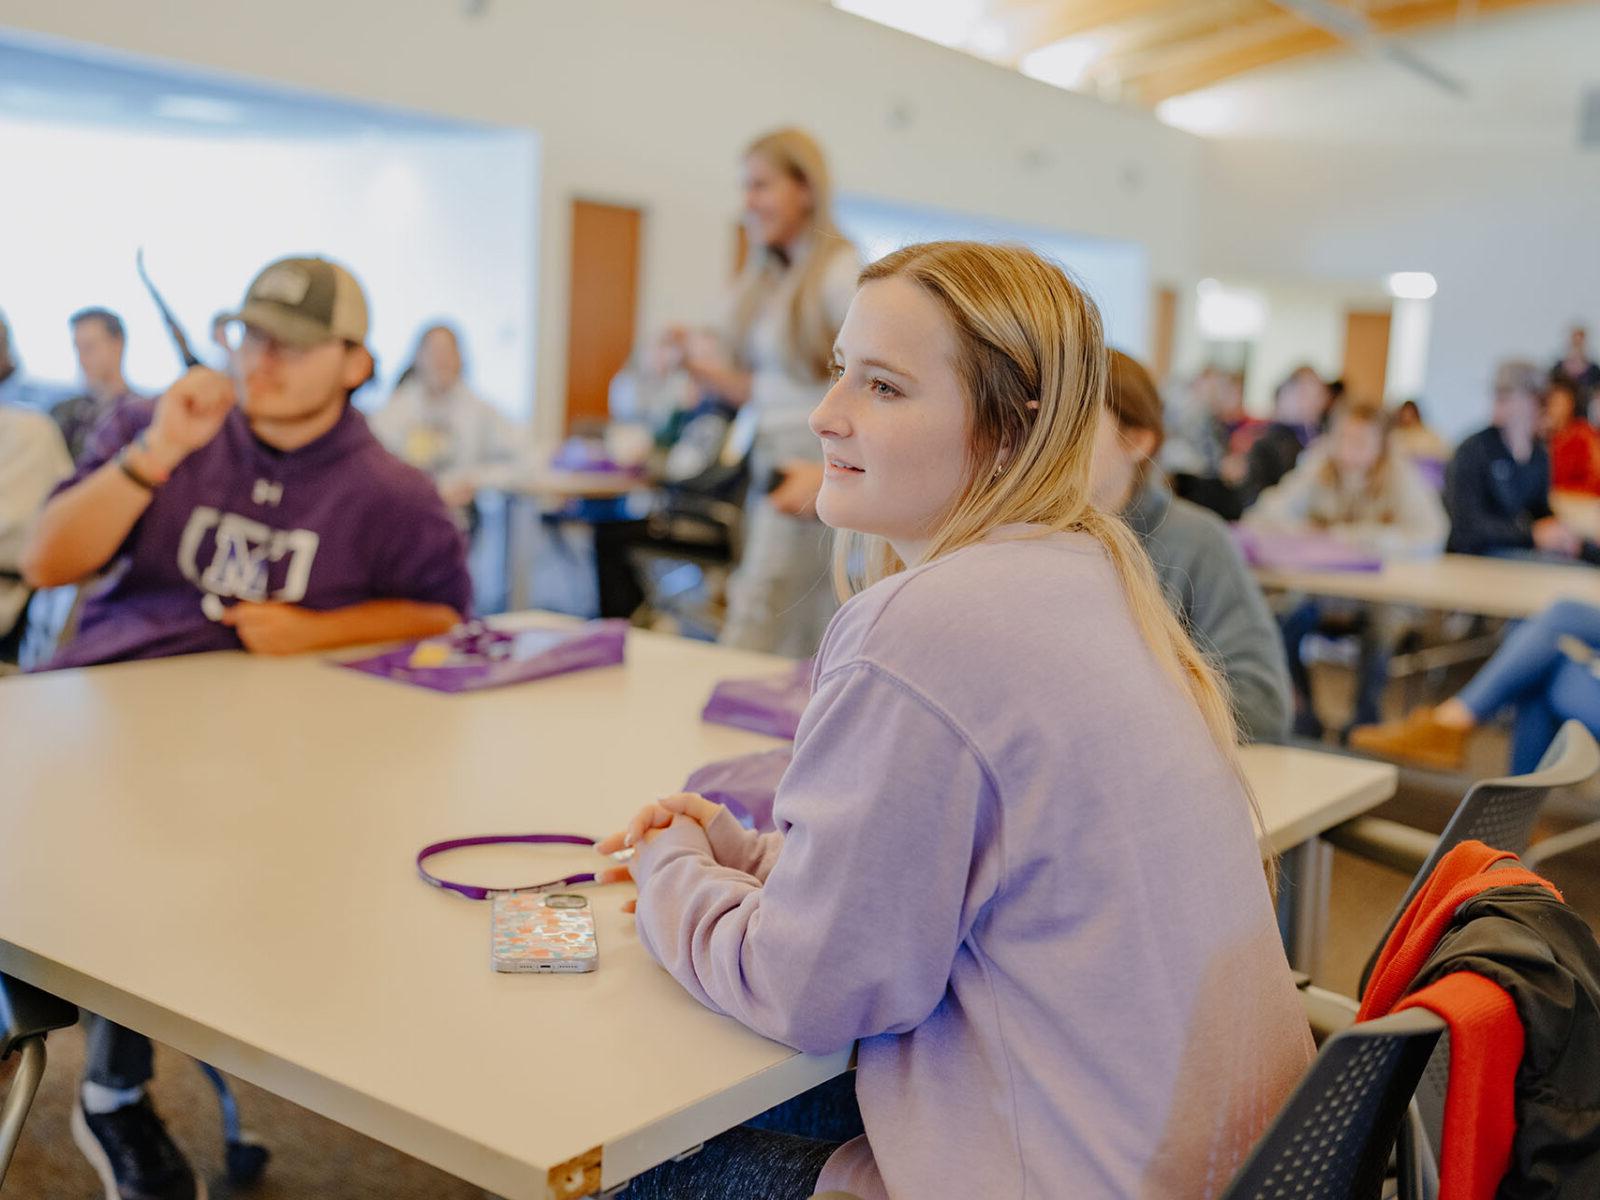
(771, 706)
(746, 785)
(1285, 551)
(581, 454)
(475, 656)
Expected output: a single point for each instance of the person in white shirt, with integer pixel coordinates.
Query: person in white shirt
(33, 459)
(770, 360)
(437, 423)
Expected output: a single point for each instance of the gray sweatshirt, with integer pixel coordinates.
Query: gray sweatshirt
(1207, 582)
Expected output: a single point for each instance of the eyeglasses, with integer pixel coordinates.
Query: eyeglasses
(241, 338)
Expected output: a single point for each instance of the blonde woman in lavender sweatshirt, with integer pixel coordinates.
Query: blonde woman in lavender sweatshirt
(1015, 857)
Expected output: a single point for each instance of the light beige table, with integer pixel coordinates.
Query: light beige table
(217, 851)
(1491, 587)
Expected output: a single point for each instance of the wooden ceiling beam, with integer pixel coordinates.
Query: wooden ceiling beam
(1157, 85)
(1162, 48)
(1213, 61)
(1419, 14)
(1220, 23)
(1069, 18)
(1199, 47)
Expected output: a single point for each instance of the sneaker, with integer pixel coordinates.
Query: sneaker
(133, 1154)
(1417, 739)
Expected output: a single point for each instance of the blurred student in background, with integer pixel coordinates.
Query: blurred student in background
(100, 343)
(1350, 485)
(1300, 408)
(1200, 569)
(1574, 444)
(771, 361)
(437, 423)
(33, 459)
(1576, 367)
(1411, 437)
(1497, 489)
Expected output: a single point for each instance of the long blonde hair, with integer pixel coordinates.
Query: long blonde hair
(1032, 359)
(810, 330)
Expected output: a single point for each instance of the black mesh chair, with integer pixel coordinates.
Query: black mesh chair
(1334, 1138)
(1498, 812)
(27, 1016)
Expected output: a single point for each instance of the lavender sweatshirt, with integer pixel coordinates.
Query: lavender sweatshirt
(1011, 862)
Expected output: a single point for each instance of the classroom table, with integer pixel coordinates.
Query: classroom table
(534, 487)
(217, 850)
(1490, 587)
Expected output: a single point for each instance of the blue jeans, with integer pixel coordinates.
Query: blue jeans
(1378, 627)
(115, 1057)
(779, 1155)
(1530, 672)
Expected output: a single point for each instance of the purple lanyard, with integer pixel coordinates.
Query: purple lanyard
(472, 892)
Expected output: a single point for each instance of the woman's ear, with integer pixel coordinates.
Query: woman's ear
(1141, 441)
(1004, 458)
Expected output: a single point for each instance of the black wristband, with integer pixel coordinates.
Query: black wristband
(128, 469)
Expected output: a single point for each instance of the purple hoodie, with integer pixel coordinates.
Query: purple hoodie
(337, 522)
(1013, 864)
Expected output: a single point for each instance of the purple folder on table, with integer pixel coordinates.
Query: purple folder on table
(1282, 551)
(746, 785)
(580, 454)
(771, 706)
(474, 656)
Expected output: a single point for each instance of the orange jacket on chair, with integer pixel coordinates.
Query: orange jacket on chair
(1486, 1034)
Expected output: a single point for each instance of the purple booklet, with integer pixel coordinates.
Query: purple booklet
(1283, 551)
(475, 656)
(746, 785)
(771, 706)
(579, 454)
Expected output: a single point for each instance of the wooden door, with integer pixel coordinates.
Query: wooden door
(1163, 331)
(1366, 354)
(602, 302)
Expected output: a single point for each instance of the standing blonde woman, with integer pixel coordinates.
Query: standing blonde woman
(1015, 857)
(771, 361)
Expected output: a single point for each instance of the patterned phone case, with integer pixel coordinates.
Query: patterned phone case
(539, 932)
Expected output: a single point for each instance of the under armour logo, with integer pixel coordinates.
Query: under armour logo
(267, 492)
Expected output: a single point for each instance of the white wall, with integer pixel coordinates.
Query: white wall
(428, 224)
(1303, 326)
(644, 102)
(1114, 273)
(1512, 237)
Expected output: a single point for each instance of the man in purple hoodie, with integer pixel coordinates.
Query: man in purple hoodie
(252, 511)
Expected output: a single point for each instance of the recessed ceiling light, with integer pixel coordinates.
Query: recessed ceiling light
(1412, 285)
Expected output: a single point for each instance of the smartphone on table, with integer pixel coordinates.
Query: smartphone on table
(538, 931)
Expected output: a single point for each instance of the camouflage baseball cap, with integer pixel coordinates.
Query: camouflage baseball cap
(304, 301)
